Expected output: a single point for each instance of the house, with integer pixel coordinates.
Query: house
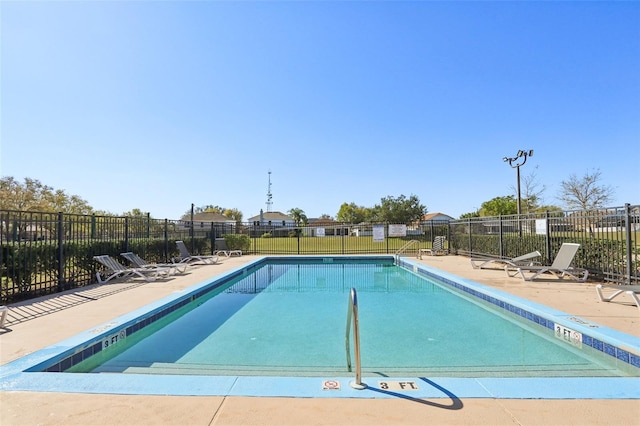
(329, 226)
(208, 221)
(274, 223)
(428, 221)
(437, 217)
(272, 219)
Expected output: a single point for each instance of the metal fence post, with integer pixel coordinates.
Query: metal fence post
(60, 252)
(547, 236)
(386, 239)
(126, 233)
(2, 225)
(500, 235)
(431, 231)
(166, 241)
(470, 235)
(627, 208)
(255, 242)
(15, 230)
(212, 237)
(192, 231)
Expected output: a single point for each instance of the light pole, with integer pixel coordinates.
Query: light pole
(516, 162)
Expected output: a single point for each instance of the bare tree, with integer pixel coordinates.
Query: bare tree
(585, 193)
(531, 192)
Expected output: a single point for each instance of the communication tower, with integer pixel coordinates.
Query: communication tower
(269, 195)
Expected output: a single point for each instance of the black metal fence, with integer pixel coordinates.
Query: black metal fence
(608, 238)
(43, 253)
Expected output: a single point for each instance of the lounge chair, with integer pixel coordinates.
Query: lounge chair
(223, 250)
(436, 248)
(138, 262)
(3, 315)
(115, 269)
(487, 262)
(631, 290)
(561, 266)
(186, 257)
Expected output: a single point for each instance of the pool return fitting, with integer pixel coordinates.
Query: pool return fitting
(352, 313)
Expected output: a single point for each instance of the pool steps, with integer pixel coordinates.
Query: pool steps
(243, 370)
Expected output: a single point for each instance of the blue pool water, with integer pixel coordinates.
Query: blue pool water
(240, 316)
(290, 318)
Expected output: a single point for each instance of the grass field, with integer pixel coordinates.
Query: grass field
(332, 245)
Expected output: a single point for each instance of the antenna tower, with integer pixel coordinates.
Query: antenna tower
(269, 195)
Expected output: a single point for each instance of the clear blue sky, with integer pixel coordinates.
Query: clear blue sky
(157, 105)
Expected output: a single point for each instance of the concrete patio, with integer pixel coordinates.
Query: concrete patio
(42, 322)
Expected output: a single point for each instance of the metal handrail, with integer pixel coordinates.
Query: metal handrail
(405, 247)
(352, 313)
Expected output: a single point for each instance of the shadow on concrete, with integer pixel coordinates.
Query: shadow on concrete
(35, 308)
(456, 403)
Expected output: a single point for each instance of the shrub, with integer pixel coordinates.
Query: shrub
(237, 242)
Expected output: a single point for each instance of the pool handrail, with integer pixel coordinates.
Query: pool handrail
(352, 313)
(405, 247)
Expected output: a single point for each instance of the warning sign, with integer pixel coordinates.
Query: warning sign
(331, 385)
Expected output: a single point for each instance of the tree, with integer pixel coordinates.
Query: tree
(470, 215)
(135, 213)
(209, 208)
(32, 195)
(531, 193)
(499, 206)
(549, 208)
(399, 209)
(298, 216)
(585, 193)
(352, 213)
(234, 214)
(205, 209)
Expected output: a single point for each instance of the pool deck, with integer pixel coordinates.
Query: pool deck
(42, 322)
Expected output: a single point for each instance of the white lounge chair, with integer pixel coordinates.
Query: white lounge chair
(489, 262)
(115, 269)
(561, 266)
(436, 248)
(631, 290)
(223, 250)
(186, 257)
(138, 262)
(3, 315)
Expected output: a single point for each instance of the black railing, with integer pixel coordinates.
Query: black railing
(43, 253)
(610, 247)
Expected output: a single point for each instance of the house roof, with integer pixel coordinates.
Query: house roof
(436, 216)
(209, 217)
(322, 221)
(271, 216)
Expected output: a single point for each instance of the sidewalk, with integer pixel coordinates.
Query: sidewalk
(43, 322)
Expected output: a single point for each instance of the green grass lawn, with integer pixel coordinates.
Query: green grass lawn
(332, 245)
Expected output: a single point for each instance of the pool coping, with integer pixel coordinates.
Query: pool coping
(14, 376)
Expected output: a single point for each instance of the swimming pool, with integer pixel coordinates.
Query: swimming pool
(389, 291)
